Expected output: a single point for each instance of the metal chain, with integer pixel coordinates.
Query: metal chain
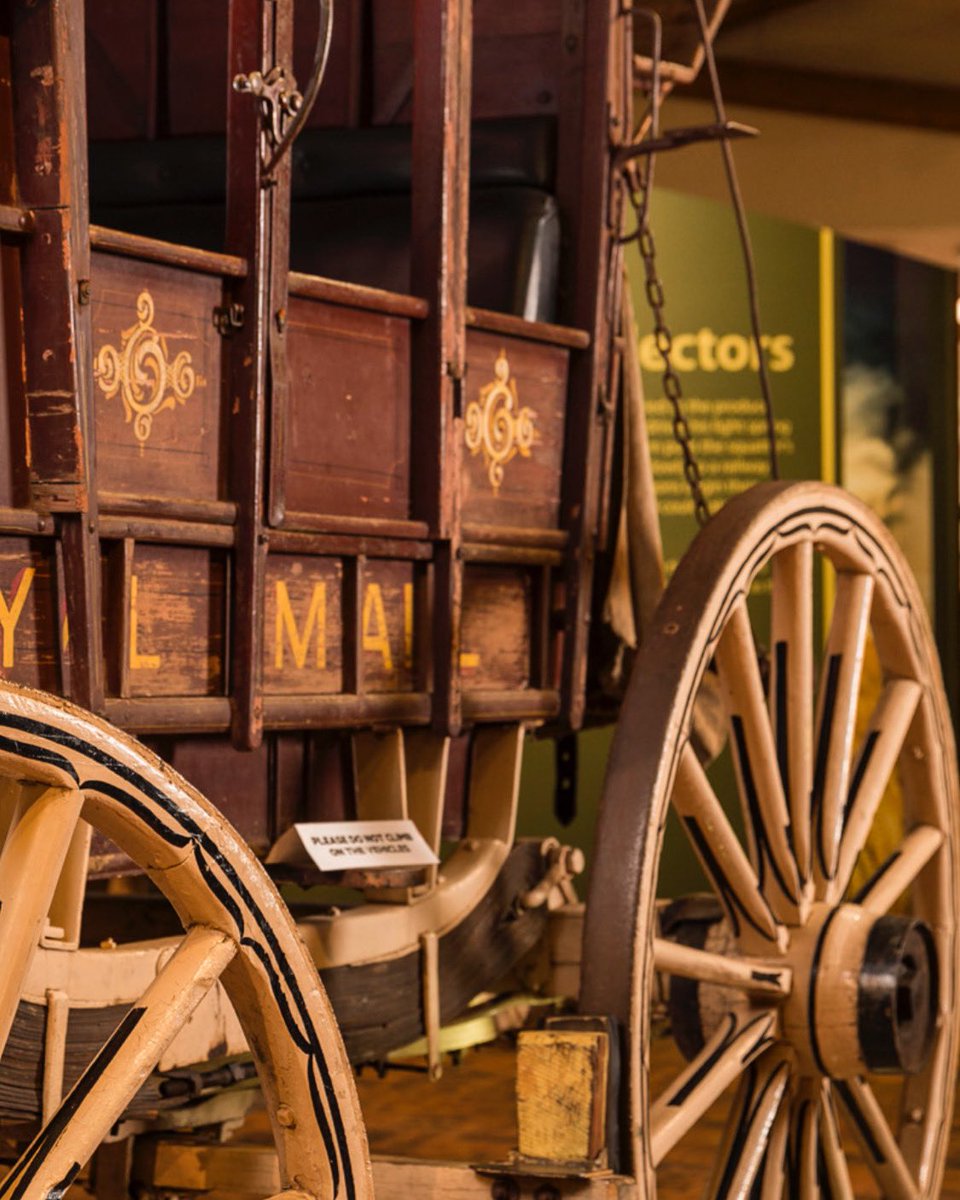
(664, 343)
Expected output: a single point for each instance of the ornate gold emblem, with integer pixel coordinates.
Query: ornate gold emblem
(143, 373)
(497, 425)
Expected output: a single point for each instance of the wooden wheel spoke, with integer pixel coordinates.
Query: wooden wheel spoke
(900, 870)
(748, 1133)
(836, 717)
(880, 1149)
(765, 811)
(925, 1099)
(773, 1172)
(806, 1131)
(100, 1095)
(740, 1040)
(831, 1148)
(719, 850)
(877, 759)
(791, 688)
(748, 974)
(40, 833)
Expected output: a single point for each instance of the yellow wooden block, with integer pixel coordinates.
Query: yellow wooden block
(561, 1094)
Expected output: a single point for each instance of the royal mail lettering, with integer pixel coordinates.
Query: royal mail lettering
(28, 614)
(174, 603)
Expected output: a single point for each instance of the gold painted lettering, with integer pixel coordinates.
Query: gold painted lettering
(378, 640)
(138, 661)
(287, 624)
(10, 615)
(408, 625)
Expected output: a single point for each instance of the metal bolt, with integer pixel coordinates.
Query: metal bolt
(504, 1189)
(285, 1117)
(281, 319)
(83, 291)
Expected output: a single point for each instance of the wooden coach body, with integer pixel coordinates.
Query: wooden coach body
(240, 501)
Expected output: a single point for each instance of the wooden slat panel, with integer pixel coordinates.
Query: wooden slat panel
(513, 431)
(121, 63)
(176, 604)
(14, 475)
(387, 627)
(197, 83)
(28, 613)
(149, 319)
(495, 649)
(516, 61)
(354, 367)
(302, 650)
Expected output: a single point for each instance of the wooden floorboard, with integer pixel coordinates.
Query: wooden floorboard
(469, 1116)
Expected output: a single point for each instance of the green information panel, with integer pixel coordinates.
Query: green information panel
(706, 310)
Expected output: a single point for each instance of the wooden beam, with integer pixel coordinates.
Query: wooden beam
(846, 97)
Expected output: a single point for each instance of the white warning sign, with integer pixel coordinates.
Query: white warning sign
(348, 845)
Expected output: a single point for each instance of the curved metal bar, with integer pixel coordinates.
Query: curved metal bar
(320, 56)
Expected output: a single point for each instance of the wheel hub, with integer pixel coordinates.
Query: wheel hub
(864, 995)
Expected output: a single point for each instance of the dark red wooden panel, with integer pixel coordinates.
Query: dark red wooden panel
(157, 386)
(387, 627)
(197, 79)
(516, 58)
(347, 437)
(30, 626)
(302, 644)
(514, 402)
(495, 639)
(121, 67)
(176, 604)
(14, 476)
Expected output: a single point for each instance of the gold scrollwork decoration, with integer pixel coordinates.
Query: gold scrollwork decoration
(497, 425)
(142, 372)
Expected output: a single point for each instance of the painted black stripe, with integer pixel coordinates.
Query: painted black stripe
(748, 1115)
(845, 1093)
(38, 754)
(279, 966)
(60, 1190)
(824, 736)
(823, 1175)
(875, 878)
(812, 991)
(725, 890)
(764, 853)
(781, 659)
(24, 1171)
(700, 1074)
(869, 745)
(141, 811)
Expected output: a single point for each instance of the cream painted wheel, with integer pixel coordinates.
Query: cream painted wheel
(822, 984)
(58, 765)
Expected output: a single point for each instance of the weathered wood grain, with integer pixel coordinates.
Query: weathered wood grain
(353, 367)
(175, 451)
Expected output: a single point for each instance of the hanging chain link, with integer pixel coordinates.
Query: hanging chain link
(653, 285)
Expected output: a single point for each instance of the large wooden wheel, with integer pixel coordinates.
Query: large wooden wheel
(59, 766)
(819, 983)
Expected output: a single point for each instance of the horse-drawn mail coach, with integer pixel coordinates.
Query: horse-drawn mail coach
(319, 419)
